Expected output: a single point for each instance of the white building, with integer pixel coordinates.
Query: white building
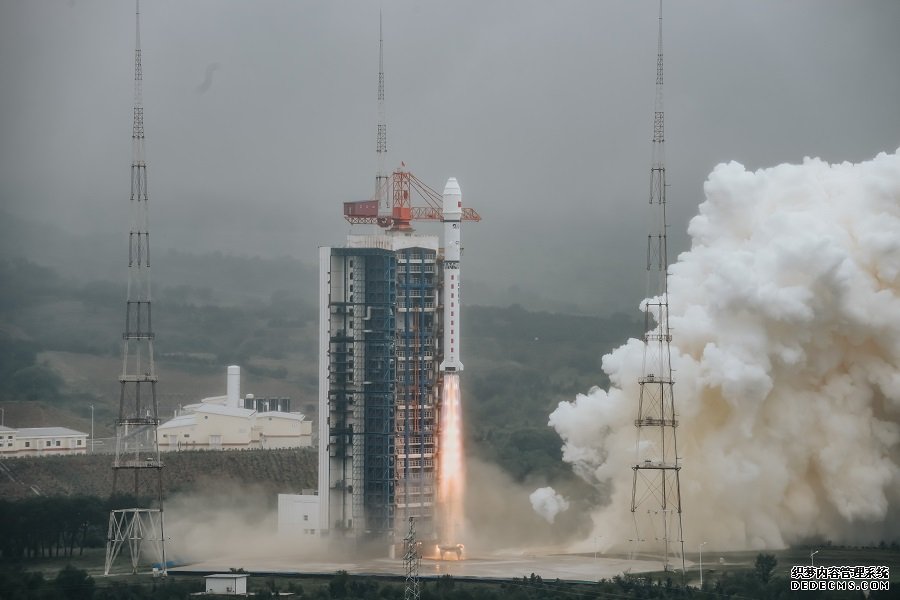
(298, 515)
(226, 583)
(219, 423)
(214, 427)
(41, 441)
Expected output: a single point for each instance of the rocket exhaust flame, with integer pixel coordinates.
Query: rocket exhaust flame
(452, 470)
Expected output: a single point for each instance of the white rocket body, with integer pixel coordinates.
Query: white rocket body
(452, 284)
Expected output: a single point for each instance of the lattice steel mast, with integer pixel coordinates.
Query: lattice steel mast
(656, 486)
(411, 563)
(137, 461)
(381, 178)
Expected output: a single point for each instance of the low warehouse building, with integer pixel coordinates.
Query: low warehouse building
(42, 441)
(220, 423)
(226, 583)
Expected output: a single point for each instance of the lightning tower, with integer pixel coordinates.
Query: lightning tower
(137, 461)
(411, 563)
(381, 179)
(656, 487)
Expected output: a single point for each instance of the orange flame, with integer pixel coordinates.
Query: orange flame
(452, 471)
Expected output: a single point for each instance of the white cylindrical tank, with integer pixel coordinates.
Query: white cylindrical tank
(234, 386)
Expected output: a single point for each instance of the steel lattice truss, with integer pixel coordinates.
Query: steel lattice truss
(656, 487)
(137, 461)
(136, 528)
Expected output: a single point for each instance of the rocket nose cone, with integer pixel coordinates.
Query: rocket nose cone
(452, 187)
(452, 198)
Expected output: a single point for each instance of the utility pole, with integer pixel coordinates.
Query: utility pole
(656, 486)
(137, 456)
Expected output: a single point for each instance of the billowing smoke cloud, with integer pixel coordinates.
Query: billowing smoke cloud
(786, 350)
(547, 503)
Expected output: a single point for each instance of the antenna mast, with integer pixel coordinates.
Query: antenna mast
(656, 487)
(137, 449)
(381, 179)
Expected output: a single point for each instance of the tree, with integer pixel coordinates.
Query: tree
(74, 584)
(338, 585)
(765, 564)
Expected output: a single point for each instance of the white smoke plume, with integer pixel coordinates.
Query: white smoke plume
(547, 503)
(786, 350)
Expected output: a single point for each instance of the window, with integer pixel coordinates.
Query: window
(28, 444)
(9, 437)
(79, 442)
(306, 517)
(57, 443)
(48, 443)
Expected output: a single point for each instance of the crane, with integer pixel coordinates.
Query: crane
(403, 186)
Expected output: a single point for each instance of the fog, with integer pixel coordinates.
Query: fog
(260, 119)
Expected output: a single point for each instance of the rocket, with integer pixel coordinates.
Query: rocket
(452, 216)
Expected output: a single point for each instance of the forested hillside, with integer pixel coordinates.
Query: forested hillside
(59, 345)
(272, 471)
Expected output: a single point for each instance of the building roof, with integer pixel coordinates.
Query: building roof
(393, 242)
(180, 421)
(5, 428)
(214, 400)
(189, 418)
(228, 411)
(48, 432)
(226, 576)
(282, 415)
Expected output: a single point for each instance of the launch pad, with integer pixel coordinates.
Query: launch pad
(565, 567)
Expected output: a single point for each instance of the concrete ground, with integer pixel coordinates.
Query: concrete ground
(566, 567)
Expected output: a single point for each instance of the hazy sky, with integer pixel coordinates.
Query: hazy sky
(260, 117)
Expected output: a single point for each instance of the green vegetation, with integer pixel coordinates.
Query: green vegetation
(75, 583)
(22, 377)
(273, 471)
(519, 366)
(71, 583)
(48, 527)
(215, 310)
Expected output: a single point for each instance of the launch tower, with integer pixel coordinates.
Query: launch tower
(137, 468)
(656, 487)
(388, 337)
